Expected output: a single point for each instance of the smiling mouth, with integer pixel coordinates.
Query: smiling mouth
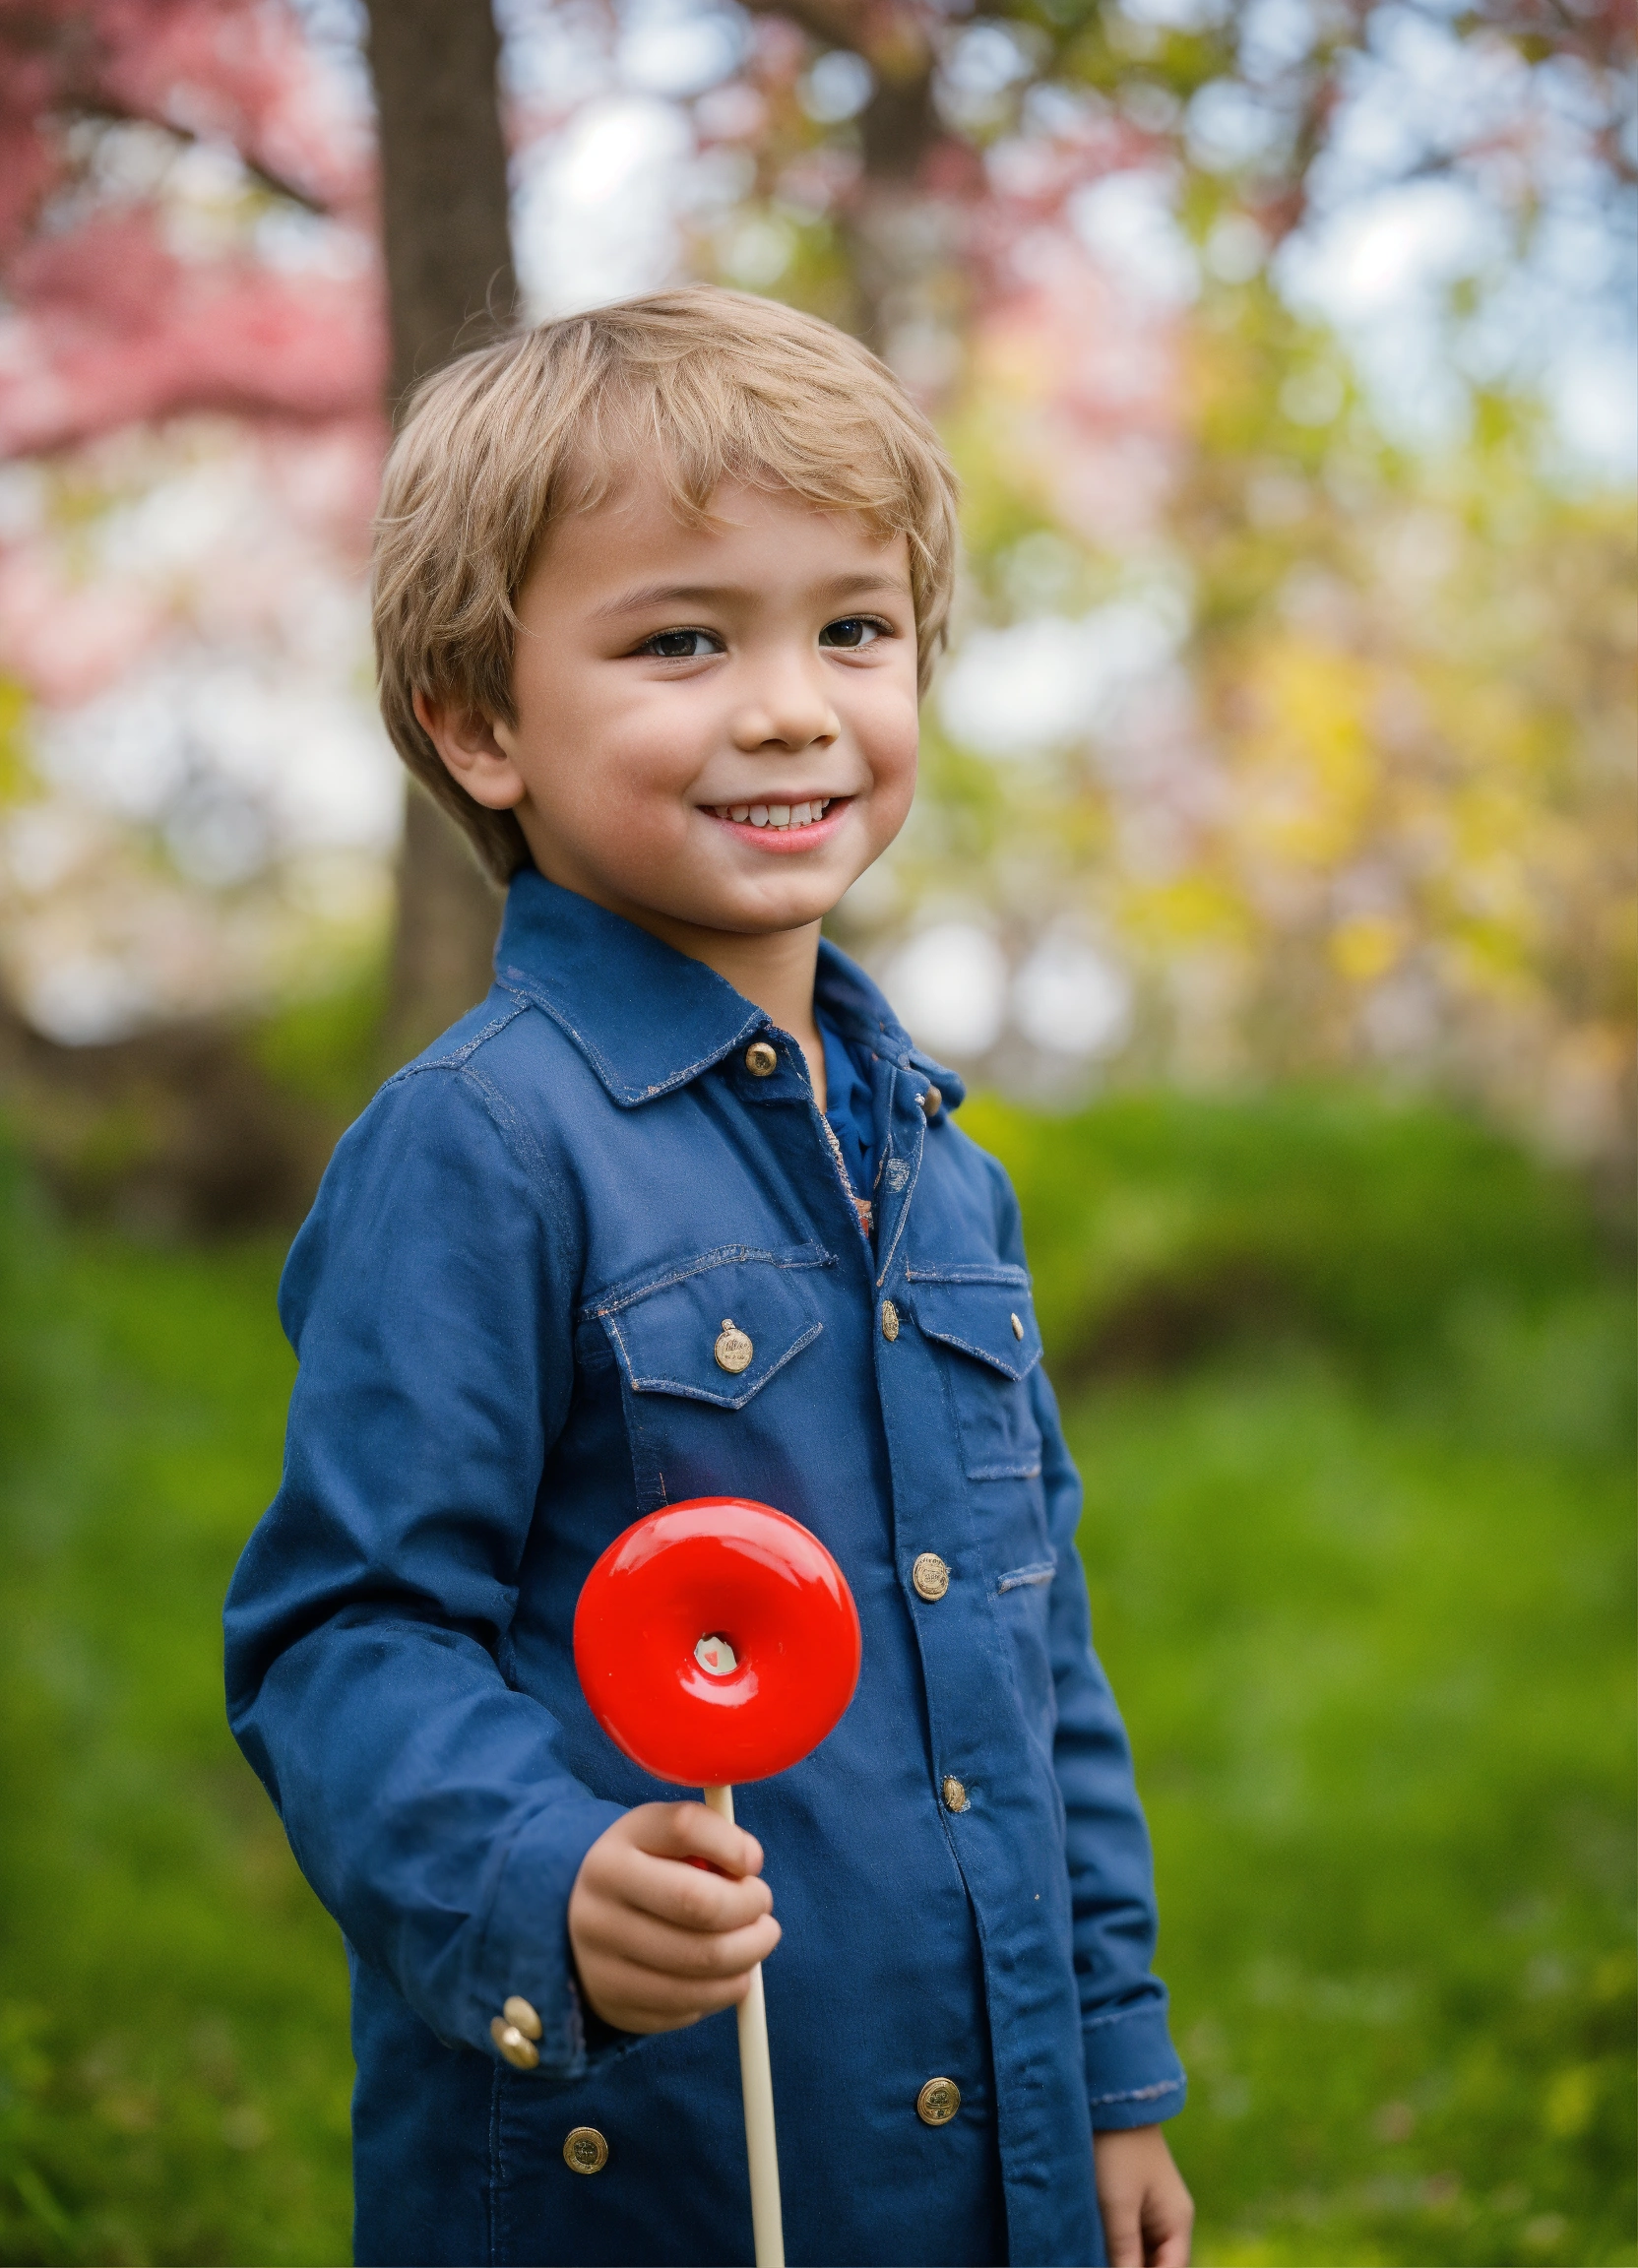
(780, 817)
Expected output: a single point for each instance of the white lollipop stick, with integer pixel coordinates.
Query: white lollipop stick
(756, 2080)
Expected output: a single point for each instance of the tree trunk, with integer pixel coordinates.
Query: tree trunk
(450, 286)
(444, 941)
(901, 240)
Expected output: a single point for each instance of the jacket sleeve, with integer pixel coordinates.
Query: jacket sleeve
(1133, 2075)
(429, 1298)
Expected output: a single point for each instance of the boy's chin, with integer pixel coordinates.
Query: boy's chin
(739, 919)
(765, 904)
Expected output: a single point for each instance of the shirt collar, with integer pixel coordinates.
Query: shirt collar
(647, 1018)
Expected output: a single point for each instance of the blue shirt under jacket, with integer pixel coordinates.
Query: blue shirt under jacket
(851, 1106)
(505, 1304)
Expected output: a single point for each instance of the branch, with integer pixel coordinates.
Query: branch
(105, 111)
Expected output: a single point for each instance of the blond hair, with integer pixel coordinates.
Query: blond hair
(698, 385)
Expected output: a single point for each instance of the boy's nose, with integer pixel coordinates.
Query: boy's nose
(785, 709)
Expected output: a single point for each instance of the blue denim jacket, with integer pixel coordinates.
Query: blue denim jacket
(505, 1304)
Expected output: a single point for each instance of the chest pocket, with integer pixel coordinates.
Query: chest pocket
(988, 1319)
(719, 1327)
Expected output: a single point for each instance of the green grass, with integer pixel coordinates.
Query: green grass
(1377, 1664)
(173, 2059)
(1352, 1396)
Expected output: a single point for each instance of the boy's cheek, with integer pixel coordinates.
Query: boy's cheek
(893, 743)
(893, 790)
(631, 795)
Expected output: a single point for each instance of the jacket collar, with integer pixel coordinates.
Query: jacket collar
(647, 1018)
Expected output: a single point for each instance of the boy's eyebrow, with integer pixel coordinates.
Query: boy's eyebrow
(838, 588)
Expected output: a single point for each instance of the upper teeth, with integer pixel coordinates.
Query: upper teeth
(774, 814)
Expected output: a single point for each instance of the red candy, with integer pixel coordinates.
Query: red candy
(717, 1642)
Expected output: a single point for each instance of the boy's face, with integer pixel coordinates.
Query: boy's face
(716, 728)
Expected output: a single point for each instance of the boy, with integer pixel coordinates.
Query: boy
(681, 1211)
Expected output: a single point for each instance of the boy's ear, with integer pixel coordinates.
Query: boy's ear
(465, 740)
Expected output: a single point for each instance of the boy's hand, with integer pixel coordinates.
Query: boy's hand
(659, 1943)
(1147, 2214)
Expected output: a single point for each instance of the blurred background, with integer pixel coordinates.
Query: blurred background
(1272, 881)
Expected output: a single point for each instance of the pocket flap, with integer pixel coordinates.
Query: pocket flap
(717, 1329)
(990, 1318)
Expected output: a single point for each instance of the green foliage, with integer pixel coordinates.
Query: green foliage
(174, 2067)
(326, 1048)
(1163, 1224)
(1363, 1583)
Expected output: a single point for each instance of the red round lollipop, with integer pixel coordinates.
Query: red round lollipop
(716, 1641)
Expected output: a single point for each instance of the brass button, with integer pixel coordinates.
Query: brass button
(1017, 1328)
(584, 2151)
(760, 1059)
(932, 1101)
(890, 1320)
(520, 2016)
(733, 1350)
(930, 1575)
(521, 2053)
(955, 1794)
(938, 2103)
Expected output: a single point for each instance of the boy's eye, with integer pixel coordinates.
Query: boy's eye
(853, 630)
(682, 645)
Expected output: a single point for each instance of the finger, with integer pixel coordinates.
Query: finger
(672, 1891)
(690, 1831)
(618, 1871)
(638, 1999)
(1169, 2223)
(1173, 2250)
(625, 1935)
(1122, 2232)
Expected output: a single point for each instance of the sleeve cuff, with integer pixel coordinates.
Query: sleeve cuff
(1133, 2075)
(525, 1944)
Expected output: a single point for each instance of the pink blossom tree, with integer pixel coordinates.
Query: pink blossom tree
(114, 317)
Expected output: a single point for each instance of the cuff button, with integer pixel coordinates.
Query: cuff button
(584, 2151)
(521, 2053)
(518, 2012)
